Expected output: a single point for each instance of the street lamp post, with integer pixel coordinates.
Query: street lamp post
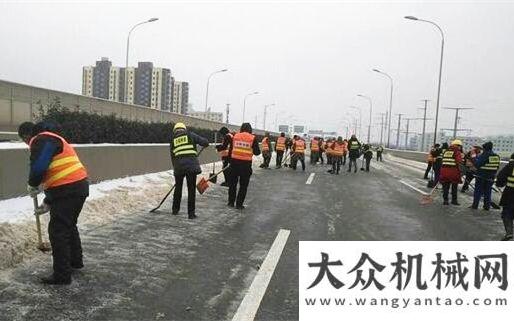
(390, 105)
(440, 70)
(127, 53)
(360, 118)
(370, 114)
(244, 103)
(207, 89)
(264, 118)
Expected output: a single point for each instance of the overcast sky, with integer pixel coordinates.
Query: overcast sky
(310, 59)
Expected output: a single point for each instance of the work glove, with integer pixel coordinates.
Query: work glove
(32, 190)
(42, 209)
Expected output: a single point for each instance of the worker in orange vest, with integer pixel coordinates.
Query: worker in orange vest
(321, 149)
(243, 147)
(430, 161)
(223, 151)
(280, 147)
(345, 150)
(329, 151)
(314, 150)
(55, 165)
(298, 150)
(337, 158)
(266, 151)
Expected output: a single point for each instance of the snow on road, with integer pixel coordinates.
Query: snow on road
(107, 201)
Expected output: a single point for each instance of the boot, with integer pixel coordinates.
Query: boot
(455, 202)
(445, 202)
(191, 216)
(507, 223)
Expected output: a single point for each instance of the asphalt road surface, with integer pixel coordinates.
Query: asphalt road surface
(163, 267)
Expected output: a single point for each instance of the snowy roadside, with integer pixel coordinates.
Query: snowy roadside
(107, 201)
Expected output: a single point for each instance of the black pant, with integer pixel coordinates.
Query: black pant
(278, 159)
(446, 191)
(336, 164)
(191, 192)
(64, 235)
(379, 156)
(354, 162)
(267, 159)
(297, 157)
(320, 155)
(368, 161)
(344, 159)
(469, 178)
(427, 171)
(314, 157)
(240, 173)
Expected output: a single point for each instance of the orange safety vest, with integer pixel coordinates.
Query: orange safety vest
(314, 145)
(345, 147)
(338, 149)
(242, 146)
(65, 168)
(430, 158)
(328, 150)
(224, 152)
(265, 144)
(281, 144)
(299, 146)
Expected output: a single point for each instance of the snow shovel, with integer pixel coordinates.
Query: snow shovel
(213, 178)
(428, 198)
(203, 184)
(42, 246)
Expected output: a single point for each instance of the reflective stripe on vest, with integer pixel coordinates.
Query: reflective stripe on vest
(314, 145)
(224, 152)
(65, 168)
(510, 180)
(299, 146)
(281, 144)
(448, 160)
(182, 146)
(338, 149)
(493, 163)
(242, 146)
(354, 145)
(265, 144)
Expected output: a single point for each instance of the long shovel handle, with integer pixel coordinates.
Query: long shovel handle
(164, 199)
(38, 223)
(220, 171)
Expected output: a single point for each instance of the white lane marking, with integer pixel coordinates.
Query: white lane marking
(252, 300)
(311, 177)
(414, 188)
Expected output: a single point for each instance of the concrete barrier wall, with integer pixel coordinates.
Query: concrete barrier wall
(103, 162)
(19, 103)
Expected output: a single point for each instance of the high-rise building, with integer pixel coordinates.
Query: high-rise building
(180, 97)
(144, 85)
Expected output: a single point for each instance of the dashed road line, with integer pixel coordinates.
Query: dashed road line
(309, 180)
(252, 300)
(414, 188)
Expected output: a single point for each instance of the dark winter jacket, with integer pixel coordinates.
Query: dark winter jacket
(354, 152)
(187, 164)
(225, 144)
(507, 198)
(480, 161)
(368, 154)
(42, 150)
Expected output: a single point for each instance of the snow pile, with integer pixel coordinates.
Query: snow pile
(108, 200)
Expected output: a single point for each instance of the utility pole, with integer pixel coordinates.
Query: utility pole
(382, 123)
(228, 112)
(456, 122)
(256, 118)
(424, 123)
(407, 130)
(398, 131)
